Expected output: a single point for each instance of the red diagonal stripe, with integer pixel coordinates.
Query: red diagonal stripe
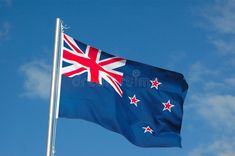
(81, 60)
(77, 71)
(117, 77)
(115, 86)
(109, 61)
(71, 44)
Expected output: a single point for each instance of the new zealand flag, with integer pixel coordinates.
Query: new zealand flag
(141, 102)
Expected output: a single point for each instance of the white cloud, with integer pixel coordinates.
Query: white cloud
(213, 85)
(217, 110)
(222, 86)
(230, 81)
(199, 72)
(4, 30)
(226, 47)
(37, 79)
(221, 16)
(213, 99)
(212, 88)
(220, 147)
(220, 19)
(213, 102)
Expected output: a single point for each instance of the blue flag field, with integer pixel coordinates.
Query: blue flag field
(141, 102)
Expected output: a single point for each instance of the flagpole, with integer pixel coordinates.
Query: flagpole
(54, 88)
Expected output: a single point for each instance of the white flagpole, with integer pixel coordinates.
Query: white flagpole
(54, 88)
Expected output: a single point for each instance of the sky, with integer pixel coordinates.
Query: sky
(194, 37)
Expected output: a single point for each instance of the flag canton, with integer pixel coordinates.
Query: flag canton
(86, 59)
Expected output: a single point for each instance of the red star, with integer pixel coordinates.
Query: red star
(148, 129)
(155, 83)
(167, 106)
(134, 100)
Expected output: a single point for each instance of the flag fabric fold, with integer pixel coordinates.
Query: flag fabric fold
(141, 102)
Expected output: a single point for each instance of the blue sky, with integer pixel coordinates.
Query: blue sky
(194, 37)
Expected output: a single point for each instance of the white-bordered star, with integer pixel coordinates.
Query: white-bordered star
(134, 100)
(168, 106)
(148, 129)
(155, 83)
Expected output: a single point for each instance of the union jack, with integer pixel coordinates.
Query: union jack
(89, 61)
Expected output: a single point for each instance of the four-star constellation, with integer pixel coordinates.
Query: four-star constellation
(167, 106)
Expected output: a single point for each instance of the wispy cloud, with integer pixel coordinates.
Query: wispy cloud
(199, 72)
(225, 47)
(37, 79)
(212, 100)
(221, 16)
(220, 147)
(217, 110)
(220, 21)
(213, 96)
(230, 81)
(224, 85)
(4, 30)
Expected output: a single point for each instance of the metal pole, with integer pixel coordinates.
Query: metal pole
(50, 137)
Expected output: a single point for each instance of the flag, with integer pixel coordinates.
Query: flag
(141, 102)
